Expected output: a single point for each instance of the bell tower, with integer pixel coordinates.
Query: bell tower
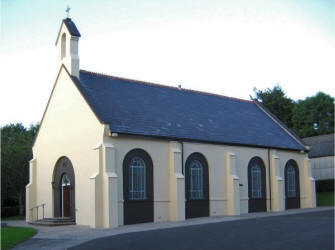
(67, 43)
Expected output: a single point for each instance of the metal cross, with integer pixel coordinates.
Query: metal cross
(67, 11)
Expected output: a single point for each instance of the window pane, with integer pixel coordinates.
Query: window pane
(65, 180)
(196, 180)
(137, 179)
(291, 184)
(256, 181)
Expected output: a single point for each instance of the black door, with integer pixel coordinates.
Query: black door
(292, 191)
(256, 185)
(196, 186)
(138, 187)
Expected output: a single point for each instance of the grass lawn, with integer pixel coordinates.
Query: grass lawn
(10, 236)
(325, 199)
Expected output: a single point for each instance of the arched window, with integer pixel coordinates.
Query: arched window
(292, 190)
(256, 180)
(138, 188)
(291, 185)
(63, 46)
(256, 185)
(196, 180)
(137, 179)
(196, 186)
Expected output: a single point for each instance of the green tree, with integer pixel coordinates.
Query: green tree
(277, 102)
(314, 115)
(16, 151)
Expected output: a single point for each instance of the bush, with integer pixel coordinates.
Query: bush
(10, 211)
(325, 185)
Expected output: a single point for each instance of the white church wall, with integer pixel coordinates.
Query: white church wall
(69, 128)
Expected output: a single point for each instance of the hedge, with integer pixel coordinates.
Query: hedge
(9, 211)
(325, 185)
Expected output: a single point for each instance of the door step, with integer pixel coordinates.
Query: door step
(57, 221)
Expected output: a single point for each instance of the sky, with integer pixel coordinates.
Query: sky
(228, 47)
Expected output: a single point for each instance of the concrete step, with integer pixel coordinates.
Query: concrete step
(57, 221)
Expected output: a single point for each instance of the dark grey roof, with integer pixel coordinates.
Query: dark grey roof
(138, 108)
(321, 146)
(71, 27)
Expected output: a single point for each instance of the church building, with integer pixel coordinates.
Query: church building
(112, 151)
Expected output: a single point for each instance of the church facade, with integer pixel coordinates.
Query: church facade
(112, 151)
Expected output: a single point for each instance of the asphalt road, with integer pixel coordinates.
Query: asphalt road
(313, 230)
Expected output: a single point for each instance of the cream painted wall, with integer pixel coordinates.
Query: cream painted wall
(215, 155)
(69, 128)
(159, 152)
(284, 157)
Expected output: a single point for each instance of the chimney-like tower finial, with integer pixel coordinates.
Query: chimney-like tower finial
(67, 43)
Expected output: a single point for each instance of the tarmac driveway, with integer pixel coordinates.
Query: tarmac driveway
(300, 231)
(269, 230)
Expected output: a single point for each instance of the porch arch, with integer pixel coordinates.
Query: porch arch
(63, 168)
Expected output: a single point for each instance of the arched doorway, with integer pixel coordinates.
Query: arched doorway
(196, 186)
(138, 206)
(64, 189)
(292, 191)
(256, 185)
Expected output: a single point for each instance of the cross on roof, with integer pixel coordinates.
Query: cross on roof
(67, 11)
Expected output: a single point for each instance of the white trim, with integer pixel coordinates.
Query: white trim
(179, 176)
(98, 146)
(93, 176)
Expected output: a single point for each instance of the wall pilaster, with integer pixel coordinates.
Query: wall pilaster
(277, 185)
(176, 184)
(310, 200)
(31, 190)
(111, 185)
(232, 185)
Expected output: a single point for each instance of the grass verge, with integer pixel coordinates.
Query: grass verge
(11, 236)
(325, 198)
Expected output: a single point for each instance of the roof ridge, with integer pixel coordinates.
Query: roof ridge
(162, 85)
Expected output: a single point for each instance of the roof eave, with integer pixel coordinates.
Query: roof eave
(203, 141)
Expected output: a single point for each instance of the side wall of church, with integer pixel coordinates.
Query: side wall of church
(169, 196)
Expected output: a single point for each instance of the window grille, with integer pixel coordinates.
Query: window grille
(196, 180)
(137, 179)
(291, 185)
(256, 180)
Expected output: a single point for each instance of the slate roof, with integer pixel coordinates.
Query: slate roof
(139, 108)
(321, 146)
(71, 27)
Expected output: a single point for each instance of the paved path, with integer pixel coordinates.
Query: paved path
(64, 237)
